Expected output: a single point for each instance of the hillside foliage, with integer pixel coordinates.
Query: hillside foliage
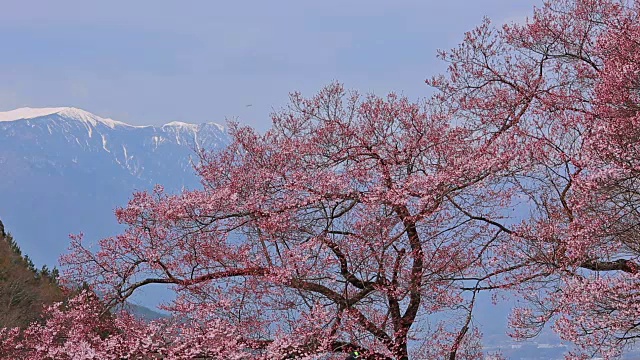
(24, 290)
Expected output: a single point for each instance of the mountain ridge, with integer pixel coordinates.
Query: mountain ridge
(27, 113)
(64, 170)
(64, 133)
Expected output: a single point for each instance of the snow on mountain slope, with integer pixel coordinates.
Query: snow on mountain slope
(66, 136)
(64, 170)
(27, 113)
(66, 112)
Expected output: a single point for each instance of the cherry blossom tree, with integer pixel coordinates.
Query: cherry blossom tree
(83, 329)
(568, 82)
(345, 227)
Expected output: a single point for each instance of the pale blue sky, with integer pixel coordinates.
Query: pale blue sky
(154, 61)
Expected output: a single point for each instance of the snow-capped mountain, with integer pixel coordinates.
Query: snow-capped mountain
(63, 138)
(64, 170)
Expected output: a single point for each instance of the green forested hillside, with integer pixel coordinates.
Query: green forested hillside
(23, 288)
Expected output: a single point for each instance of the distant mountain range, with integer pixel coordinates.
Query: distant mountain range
(64, 170)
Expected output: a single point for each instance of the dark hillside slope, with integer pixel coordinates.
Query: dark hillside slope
(23, 289)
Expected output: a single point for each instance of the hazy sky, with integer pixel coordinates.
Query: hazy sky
(151, 61)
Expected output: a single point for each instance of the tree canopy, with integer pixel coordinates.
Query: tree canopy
(358, 223)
